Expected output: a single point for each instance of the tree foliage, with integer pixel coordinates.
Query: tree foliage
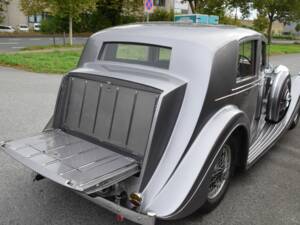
(31, 7)
(220, 7)
(3, 5)
(281, 10)
(160, 14)
(216, 7)
(260, 23)
(239, 5)
(297, 28)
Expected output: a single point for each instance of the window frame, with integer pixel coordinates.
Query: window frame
(255, 47)
(264, 55)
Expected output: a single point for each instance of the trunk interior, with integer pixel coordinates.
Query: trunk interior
(101, 137)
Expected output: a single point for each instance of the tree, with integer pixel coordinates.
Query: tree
(63, 8)
(3, 5)
(219, 7)
(261, 23)
(297, 28)
(281, 10)
(32, 7)
(212, 7)
(71, 9)
(239, 5)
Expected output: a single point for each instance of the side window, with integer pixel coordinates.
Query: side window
(247, 59)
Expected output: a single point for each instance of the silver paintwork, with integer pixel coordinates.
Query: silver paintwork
(215, 105)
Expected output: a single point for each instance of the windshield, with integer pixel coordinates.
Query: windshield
(150, 55)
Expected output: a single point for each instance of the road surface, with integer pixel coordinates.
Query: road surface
(15, 44)
(268, 194)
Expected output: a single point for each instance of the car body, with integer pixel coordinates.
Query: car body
(36, 26)
(158, 116)
(7, 29)
(23, 28)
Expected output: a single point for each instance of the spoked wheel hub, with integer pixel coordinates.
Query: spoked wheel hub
(220, 173)
(285, 102)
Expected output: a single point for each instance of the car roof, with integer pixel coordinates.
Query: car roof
(214, 35)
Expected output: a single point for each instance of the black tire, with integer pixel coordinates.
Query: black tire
(295, 120)
(212, 202)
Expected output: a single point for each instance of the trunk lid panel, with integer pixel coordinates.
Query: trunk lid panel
(71, 161)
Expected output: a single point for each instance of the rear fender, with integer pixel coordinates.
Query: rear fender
(183, 193)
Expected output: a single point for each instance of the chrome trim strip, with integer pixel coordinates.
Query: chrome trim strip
(236, 93)
(246, 85)
(238, 81)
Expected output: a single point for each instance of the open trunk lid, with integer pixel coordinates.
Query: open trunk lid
(100, 133)
(71, 161)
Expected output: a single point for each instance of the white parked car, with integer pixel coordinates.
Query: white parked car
(23, 28)
(37, 27)
(8, 29)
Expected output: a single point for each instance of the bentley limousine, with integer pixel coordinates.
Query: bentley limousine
(156, 118)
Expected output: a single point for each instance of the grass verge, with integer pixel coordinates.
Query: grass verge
(280, 49)
(51, 47)
(56, 61)
(59, 62)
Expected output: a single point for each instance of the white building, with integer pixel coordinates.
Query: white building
(291, 28)
(13, 16)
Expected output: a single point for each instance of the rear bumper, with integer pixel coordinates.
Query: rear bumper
(131, 215)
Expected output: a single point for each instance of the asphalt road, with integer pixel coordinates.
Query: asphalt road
(15, 44)
(268, 194)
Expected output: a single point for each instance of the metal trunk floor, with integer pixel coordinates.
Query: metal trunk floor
(71, 161)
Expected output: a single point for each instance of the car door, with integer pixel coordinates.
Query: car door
(248, 79)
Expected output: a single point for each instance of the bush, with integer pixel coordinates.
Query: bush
(54, 25)
(284, 37)
(160, 14)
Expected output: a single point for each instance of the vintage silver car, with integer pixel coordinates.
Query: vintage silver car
(157, 117)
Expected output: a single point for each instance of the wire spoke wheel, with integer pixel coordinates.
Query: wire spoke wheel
(284, 102)
(220, 173)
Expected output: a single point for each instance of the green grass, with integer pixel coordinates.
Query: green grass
(61, 62)
(279, 49)
(51, 47)
(42, 62)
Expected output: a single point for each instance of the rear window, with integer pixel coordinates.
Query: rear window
(150, 55)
